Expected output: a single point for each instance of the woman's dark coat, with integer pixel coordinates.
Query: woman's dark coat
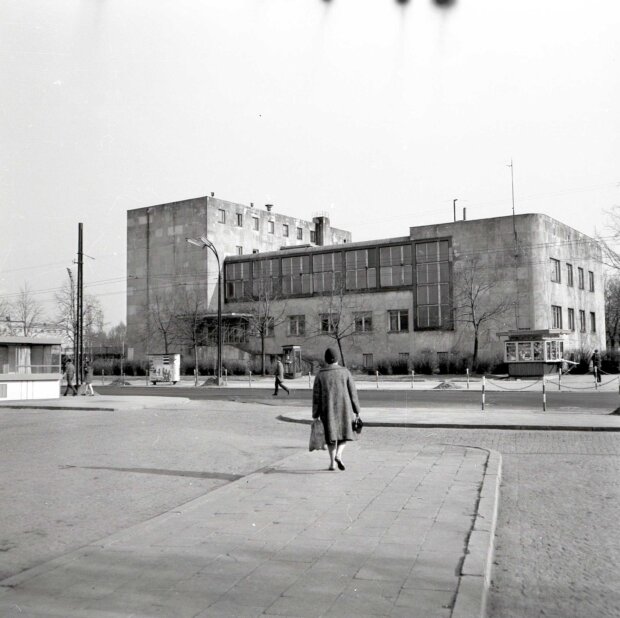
(334, 401)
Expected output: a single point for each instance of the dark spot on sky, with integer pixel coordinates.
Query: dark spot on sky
(445, 3)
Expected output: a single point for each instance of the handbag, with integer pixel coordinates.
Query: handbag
(317, 436)
(357, 424)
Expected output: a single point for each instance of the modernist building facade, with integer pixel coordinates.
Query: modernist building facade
(162, 267)
(398, 297)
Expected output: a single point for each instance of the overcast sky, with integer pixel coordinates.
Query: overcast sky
(378, 112)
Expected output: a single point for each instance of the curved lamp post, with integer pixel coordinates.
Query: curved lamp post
(204, 243)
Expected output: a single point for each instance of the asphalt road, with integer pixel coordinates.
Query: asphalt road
(587, 402)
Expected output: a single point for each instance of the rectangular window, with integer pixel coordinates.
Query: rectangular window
(582, 320)
(556, 316)
(237, 281)
(265, 278)
(361, 266)
(296, 325)
(398, 321)
(368, 361)
(239, 250)
(592, 322)
(433, 304)
(556, 273)
(240, 219)
(591, 280)
(569, 275)
(328, 322)
(363, 322)
(271, 227)
(255, 251)
(571, 319)
(580, 277)
(256, 223)
(403, 357)
(327, 272)
(395, 266)
(221, 215)
(285, 230)
(270, 327)
(312, 236)
(300, 233)
(296, 277)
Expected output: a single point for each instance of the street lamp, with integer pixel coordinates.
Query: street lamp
(203, 242)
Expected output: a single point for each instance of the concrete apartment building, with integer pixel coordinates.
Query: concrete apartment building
(162, 267)
(401, 297)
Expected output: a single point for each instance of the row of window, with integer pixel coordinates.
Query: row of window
(350, 270)
(557, 319)
(271, 226)
(556, 275)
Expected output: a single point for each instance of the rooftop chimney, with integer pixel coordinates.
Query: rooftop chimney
(212, 194)
(268, 207)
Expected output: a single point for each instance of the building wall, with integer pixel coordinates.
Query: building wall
(517, 268)
(161, 265)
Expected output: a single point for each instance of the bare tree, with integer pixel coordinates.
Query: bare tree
(337, 318)
(612, 310)
(190, 322)
(478, 299)
(610, 243)
(26, 310)
(66, 317)
(163, 319)
(266, 311)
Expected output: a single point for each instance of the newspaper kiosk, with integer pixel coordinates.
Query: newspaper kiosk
(164, 368)
(533, 353)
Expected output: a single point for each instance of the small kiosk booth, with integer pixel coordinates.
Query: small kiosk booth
(164, 368)
(531, 353)
(29, 368)
(291, 361)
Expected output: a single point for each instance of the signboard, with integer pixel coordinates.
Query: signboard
(164, 368)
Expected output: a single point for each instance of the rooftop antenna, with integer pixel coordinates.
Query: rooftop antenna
(512, 187)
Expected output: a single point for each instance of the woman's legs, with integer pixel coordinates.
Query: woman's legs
(331, 447)
(338, 457)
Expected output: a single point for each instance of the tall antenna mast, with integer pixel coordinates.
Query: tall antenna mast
(512, 188)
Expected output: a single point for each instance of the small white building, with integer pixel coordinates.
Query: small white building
(29, 368)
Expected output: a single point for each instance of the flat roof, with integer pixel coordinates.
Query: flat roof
(6, 339)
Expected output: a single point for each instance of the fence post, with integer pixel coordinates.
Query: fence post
(467, 370)
(226, 377)
(250, 378)
(560, 380)
(309, 379)
(484, 380)
(412, 377)
(103, 378)
(377, 377)
(544, 391)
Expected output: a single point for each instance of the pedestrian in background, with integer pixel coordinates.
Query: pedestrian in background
(335, 402)
(280, 377)
(70, 376)
(88, 380)
(596, 365)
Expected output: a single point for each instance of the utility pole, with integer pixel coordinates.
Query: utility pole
(72, 312)
(454, 201)
(80, 309)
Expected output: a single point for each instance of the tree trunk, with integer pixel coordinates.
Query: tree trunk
(474, 360)
(341, 354)
(195, 363)
(262, 353)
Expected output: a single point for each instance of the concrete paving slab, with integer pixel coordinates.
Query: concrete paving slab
(357, 567)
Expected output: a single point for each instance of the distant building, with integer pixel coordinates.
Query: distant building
(414, 295)
(162, 268)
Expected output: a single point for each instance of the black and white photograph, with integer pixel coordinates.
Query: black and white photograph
(309, 308)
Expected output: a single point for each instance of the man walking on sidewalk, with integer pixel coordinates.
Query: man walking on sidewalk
(69, 375)
(280, 378)
(596, 365)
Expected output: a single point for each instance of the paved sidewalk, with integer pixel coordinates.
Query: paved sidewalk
(110, 403)
(493, 418)
(405, 533)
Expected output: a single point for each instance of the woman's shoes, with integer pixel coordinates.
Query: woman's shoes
(340, 464)
(331, 468)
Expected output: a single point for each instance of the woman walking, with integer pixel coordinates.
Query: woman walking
(334, 401)
(88, 380)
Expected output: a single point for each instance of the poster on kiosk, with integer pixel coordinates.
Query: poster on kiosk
(164, 368)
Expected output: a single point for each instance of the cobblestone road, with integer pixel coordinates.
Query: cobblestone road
(69, 478)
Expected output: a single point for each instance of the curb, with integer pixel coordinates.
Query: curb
(475, 577)
(430, 425)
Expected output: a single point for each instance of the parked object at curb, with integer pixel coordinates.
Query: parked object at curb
(164, 368)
